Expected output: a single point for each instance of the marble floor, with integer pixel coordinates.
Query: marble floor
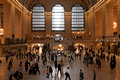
(102, 74)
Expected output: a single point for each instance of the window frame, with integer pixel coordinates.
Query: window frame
(38, 18)
(78, 5)
(58, 21)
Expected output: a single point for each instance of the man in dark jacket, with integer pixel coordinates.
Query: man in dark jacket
(50, 71)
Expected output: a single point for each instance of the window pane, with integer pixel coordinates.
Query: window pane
(77, 29)
(58, 16)
(38, 18)
(77, 18)
(58, 29)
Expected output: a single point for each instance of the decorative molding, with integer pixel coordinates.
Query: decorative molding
(19, 5)
(99, 4)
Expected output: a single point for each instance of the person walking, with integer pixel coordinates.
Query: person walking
(55, 64)
(111, 65)
(71, 58)
(26, 65)
(47, 72)
(7, 58)
(67, 74)
(62, 64)
(11, 73)
(20, 70)
(99, 64)
(50, 71)
(94, 73)
(37, 68)
(81, 75)
(59, 68)
(9, 65)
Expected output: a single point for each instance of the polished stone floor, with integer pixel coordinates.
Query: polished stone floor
(102, 74)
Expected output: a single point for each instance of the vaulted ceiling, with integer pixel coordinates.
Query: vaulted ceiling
(85, 3)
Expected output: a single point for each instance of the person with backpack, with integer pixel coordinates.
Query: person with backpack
(67, 74)
(47, 72)
(81, 75)
(50, 71)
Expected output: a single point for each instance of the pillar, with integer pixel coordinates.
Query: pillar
(110, 15)
(29, 29)
(48, 22)
(86, 27)
(12, 19)
(107, 23)
(104, 24)
(118, 17)
(22, 25)
(18, 24)
(104, 21)
(68, 32)
(118, 21)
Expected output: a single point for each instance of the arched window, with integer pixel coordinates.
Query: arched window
(38, 18)
(58, 18)
(77, 18)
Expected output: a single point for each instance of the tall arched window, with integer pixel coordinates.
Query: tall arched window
(77, 18)
(58, 18)
(38, 18)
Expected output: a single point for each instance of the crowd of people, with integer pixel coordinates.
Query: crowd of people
(31, 64)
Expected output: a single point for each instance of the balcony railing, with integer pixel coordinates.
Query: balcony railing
(14, 41)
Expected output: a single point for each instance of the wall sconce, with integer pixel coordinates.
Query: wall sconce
(1, 31)
(114, 25)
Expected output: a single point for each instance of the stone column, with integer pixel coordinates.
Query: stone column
(48, 22)
(29, 30)
(107, 23)
(118, 21)
(22, 24)
(104, 24)
(104, 21)
(68, 32)
(110, 15)
(12, 19)
(93, 26)
(9, 20)
(86, 27)
(118, 17)
(18, 24)
(107, 20)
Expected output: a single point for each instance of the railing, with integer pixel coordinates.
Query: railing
(107, 38)
(14, 41)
